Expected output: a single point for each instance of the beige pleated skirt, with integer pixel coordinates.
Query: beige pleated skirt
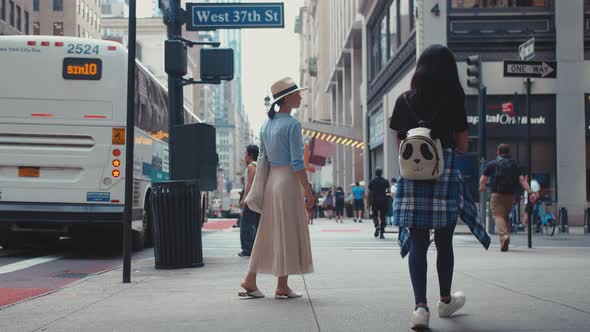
(282, 246)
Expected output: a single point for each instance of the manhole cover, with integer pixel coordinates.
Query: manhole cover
(71, 275)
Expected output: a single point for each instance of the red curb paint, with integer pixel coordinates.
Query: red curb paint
(13, 295)
(219, 224)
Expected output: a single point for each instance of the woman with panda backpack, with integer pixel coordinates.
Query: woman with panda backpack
(430, 193)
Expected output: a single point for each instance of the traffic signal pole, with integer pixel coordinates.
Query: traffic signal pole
(175, 93)
(529, 156)
(475, 81)
(482, 154)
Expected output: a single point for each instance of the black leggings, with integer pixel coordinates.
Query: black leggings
(419, 242)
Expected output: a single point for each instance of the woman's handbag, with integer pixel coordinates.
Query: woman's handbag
(255, 197)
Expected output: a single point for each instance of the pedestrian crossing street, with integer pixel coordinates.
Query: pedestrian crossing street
(325, 235)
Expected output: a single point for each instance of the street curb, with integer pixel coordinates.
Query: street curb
(72, 284)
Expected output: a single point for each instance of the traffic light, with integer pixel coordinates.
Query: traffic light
(474, 71)
(217, 64)
(175, 57)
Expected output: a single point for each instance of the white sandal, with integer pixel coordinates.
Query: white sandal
(256, 294)
(291, 295)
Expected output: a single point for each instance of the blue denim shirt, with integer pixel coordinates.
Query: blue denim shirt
(283, 141)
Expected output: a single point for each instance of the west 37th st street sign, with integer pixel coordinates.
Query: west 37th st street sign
(540, 69)
(209, 16)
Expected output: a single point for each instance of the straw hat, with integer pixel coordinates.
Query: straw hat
(283, 88)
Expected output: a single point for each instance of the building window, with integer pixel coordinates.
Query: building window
(406, 20)
(393, 24)
(58, 28)
(36, 28)
(501, 4)
(26, 22)
(388, 32)
(11, 13)
(501, 25)
(19, 19)
(58, 5)
(36, 5)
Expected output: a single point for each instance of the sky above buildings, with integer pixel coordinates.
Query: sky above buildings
(267, 56)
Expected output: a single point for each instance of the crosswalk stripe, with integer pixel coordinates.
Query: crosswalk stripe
(27, 263)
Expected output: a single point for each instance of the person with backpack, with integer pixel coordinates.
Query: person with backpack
(505, 177)
(431, 125)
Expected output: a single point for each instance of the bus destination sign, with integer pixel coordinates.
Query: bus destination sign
(82, 69)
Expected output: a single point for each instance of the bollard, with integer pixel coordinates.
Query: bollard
(177, 226)
(563, 221)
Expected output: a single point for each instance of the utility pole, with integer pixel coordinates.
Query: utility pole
(130, 141)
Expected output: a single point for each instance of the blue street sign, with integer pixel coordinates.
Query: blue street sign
(209, 16)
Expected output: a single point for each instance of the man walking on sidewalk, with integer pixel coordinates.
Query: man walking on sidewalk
(358, 195)
(505, 178)
(378, 190)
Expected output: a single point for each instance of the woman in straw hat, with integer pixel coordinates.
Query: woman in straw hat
(282, 245)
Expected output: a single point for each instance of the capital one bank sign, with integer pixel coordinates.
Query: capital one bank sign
(505, 119)
(501, 124)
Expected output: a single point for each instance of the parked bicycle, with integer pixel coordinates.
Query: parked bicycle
(544, 220)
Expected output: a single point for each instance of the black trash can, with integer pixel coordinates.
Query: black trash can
(175, 207)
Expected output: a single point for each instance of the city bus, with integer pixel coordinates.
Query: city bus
(63, 110)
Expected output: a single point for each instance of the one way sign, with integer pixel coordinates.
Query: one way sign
(540, 69)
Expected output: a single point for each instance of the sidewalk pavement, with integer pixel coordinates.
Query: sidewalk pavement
(362, 289)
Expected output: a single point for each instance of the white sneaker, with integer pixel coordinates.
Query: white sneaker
(420, 319)
(457, 302)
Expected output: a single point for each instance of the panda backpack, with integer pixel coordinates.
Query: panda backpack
(420, 155)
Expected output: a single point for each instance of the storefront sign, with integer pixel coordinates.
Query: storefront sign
(501, 124)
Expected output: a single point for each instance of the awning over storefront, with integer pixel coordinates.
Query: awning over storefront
(323, 140)
(334, 134)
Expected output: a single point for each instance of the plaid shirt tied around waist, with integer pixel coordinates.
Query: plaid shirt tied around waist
(436, 204)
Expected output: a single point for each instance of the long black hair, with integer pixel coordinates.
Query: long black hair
(271, 110)
(436, 81)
